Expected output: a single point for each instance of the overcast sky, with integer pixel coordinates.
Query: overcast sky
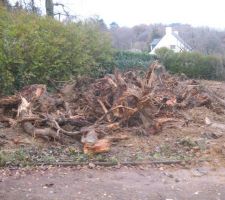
(132, 12)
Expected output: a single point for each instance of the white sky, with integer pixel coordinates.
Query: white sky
(132, 12)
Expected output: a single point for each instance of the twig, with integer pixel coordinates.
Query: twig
(212, 94)
(112, 109)
(112, 82)
(104, 109)
(70, 133)
(28, 119)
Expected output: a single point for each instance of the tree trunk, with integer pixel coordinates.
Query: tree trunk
(32, 6)
(49, 8)
(4, 3)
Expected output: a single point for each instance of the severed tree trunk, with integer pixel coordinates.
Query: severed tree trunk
(24, 111)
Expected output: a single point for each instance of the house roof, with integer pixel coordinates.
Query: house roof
(155, 41)
(182, 46)
(181, 40)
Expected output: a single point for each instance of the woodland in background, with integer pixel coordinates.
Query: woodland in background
(204, 40)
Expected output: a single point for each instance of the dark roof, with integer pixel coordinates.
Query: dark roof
(182, 41)
(155, 41)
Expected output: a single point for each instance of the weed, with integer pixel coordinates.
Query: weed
(139, 156)
(113, 160)
(3, 159)
(187, 142)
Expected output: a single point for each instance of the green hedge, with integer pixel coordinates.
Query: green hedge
(125, 60)
(193, 64)
(34, 49)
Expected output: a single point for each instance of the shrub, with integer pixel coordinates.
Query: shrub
(127, 60)
(193, 64)
(34, 49)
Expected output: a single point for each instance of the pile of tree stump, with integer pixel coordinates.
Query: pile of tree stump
(91, 110)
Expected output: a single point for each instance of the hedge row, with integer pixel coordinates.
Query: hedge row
(34, 49)
(125, 60)
(193, 64)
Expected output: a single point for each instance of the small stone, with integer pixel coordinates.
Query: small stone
(78, 167)
(91, 165)
(90, 176)
(196, 193)
(118, 166)
(170, 176)
(141, 167)
(85, 167)
(196, 148)
(177, 180)
(161, 168)
(164, 181)
(2, 125)
(199, 172)
(212, 135)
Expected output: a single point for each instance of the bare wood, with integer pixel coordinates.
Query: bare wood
(12, 122)
(28, 119)
(59, 129)
(112, 82)
(10, 100)
(105, 110)
(214, 124)
(112, 109)
(151, 76)
(221, 101)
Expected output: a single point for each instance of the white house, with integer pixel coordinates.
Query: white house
(170, 40)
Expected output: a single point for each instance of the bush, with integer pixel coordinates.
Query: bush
(129, 60)
(193, 64)
(34, 49)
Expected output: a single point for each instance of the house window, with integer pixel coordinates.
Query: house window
(172, 46)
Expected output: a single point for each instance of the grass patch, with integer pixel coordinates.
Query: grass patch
(187, 142)
(16, 158)
(177, 151)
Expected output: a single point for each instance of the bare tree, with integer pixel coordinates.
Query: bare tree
(202, 39)
(32, 5)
